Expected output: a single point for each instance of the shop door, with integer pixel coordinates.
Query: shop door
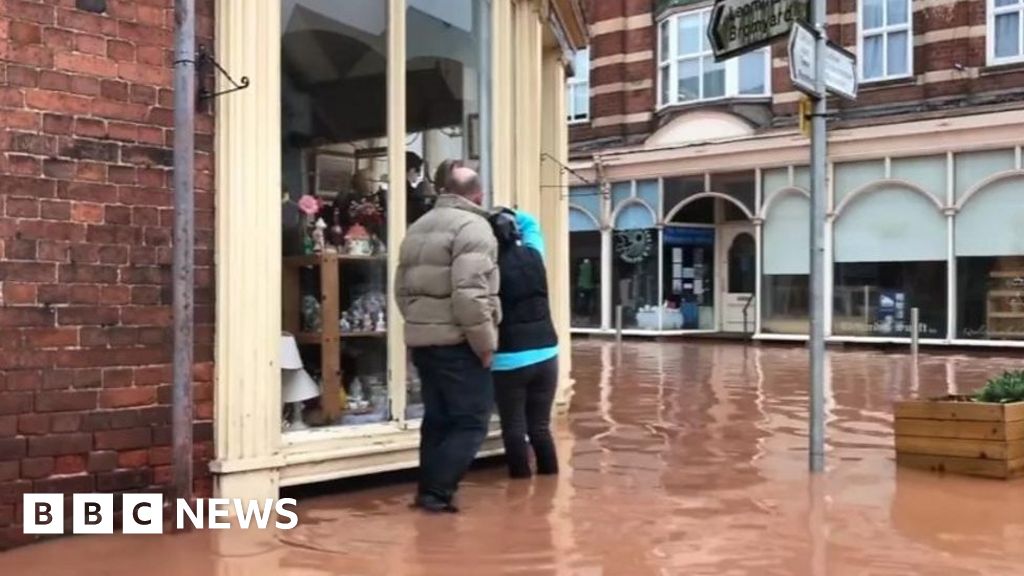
(738, 267)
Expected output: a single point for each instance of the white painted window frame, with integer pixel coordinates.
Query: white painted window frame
(672, 60)
(886, 30)
(990, 33)
(574, 85)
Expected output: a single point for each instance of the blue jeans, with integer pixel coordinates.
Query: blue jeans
(458, 398)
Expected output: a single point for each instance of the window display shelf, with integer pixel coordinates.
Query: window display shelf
(1005, 305)
(308, 260)
(325, 317)
(316, 338)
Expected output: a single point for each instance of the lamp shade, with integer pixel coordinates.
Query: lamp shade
(297, 386)
(289, 354)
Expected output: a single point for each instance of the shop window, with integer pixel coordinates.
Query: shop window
(588, 198)
(890, 257)
(621, 192)
(635, 265)
(334, 161)
(926, 172)
(885, 39)
(741, 186)
(699, 211)
(681, 188)
(585, 278)
(577, 90)
(742, 265)
(785, 264)
(647, 190)
(852, 176)
(687, 71)
(448, 105)
(989, 251)
(1005, 31)
(971, 168)
(688, 273)
(875, 298)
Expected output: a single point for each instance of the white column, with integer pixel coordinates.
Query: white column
(607, 278)
(248, 156)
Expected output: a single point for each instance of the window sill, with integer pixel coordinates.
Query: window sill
(872, 85)
(1002, 68)
(581, 122)
(716, 103)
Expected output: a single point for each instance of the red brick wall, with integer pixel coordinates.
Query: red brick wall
(85, 250)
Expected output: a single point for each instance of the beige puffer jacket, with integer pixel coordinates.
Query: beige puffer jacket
(447, 279)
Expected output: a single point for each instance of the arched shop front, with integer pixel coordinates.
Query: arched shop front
(715, 237)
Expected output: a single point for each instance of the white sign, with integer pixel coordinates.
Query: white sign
(840, 72)
(840, 65)
(801, 59)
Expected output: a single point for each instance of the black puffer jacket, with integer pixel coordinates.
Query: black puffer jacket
(526, 315)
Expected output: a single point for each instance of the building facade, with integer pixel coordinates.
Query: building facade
(345, 100)
(690, 209)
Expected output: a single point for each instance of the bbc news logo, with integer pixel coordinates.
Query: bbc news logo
(143, 513)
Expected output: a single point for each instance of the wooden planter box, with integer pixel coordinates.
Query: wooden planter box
(962, 437)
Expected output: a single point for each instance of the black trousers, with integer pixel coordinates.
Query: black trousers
(458, 398)
(525, 397)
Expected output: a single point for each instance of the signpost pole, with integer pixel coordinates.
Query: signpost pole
(818, 208)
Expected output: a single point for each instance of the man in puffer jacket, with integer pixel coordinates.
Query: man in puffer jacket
(447, 291)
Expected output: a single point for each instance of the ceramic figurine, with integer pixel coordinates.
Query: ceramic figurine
(336, 235)
(357, 241)
(367, 322)
(318, 236)
(381, 326)
(311, 314)
(345, 324)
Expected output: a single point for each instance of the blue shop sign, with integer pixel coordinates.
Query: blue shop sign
(687, 236)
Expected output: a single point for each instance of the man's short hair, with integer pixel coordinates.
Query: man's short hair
(443, 173)
(463, 181)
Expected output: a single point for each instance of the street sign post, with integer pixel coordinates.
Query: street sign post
(740, 26)
(840, 65)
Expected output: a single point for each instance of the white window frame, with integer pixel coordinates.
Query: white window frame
(885, 31)
(577, 83)
(990, 33)
(673, 59)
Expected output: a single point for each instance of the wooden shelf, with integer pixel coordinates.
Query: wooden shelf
(319, 338)
(309, 260)
(1006, 315)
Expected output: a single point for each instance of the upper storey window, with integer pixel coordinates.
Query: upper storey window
(687, 71)
(1005, 31)
(885, 39)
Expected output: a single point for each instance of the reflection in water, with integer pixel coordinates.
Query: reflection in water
(677, 458)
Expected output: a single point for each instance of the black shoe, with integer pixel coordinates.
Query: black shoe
(430, 503)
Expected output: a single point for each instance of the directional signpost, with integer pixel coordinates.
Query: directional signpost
(816, 67)
(739, 26)
(840, 65)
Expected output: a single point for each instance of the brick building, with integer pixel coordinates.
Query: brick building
(85, 177)
(85, 222)
(694, 197)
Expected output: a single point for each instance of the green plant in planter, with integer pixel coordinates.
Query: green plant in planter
(1008, 387)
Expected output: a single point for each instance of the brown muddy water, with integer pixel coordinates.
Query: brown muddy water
(678, 458)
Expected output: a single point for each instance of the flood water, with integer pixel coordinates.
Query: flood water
(678, 458)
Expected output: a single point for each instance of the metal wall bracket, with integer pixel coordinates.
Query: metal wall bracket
(204, 62)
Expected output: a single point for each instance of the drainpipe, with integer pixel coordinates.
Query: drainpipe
(183, 265)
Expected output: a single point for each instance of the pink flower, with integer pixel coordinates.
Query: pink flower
(309, 205)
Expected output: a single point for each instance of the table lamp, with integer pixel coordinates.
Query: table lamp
(297, 387)
(289, 353)
(296, 384)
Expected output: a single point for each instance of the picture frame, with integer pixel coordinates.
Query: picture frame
(473, 136)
